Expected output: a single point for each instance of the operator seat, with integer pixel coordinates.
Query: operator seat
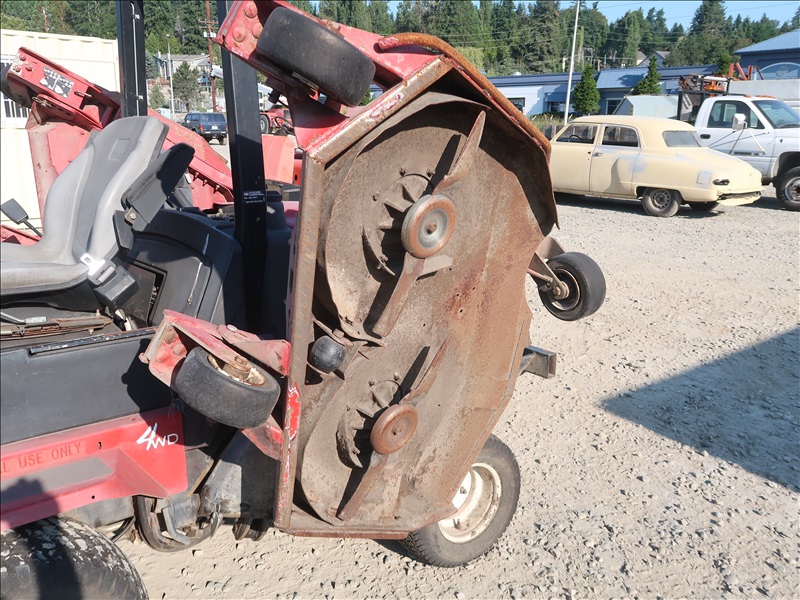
(79, 235)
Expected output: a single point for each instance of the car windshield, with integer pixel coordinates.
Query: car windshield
(778, 113)
(681, 139)
(214, 118)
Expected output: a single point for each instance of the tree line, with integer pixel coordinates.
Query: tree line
(501, 37)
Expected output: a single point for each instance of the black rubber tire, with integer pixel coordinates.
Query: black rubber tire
(586, 283)
(222, 398)
(61, 558)
(298, 44)
(703, 206)
(263, 124)
(659, 202)
(787, 189)
(430, 545)
(223, 141)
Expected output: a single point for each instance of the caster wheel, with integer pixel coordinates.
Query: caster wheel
(586, 287)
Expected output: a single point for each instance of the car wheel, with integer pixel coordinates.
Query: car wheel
(60, 558)
(300, 45)
(585, 283)
(702, 206)
(263, 123)
(223, 141)
(787, 189)
(659, 202)
(241, 396)
(485, 503)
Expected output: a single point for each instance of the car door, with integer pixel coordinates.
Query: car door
(753, 143)
(571, 158)
(613, 160)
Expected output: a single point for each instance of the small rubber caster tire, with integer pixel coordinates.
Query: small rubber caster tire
(223, 398)
(585, 281)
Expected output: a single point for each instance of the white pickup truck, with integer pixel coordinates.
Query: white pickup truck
(765, 132)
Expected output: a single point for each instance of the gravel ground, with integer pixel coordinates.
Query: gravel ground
(661, 461)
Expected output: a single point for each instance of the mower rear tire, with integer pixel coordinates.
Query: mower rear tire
(61, 558)
(485, 503)
(300, 45)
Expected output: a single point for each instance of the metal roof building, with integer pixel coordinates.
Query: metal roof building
(537, 94)
(776, 58)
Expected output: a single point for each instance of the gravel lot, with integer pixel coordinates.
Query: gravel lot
(661, 461)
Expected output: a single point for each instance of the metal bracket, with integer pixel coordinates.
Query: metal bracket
(538, 361)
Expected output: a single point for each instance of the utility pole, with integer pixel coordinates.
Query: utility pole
(572, 61)
(171, 93)
(208, 35)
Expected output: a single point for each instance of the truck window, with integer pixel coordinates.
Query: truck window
(778, 113)
(616, 135)
(722, 115)
(579, 133)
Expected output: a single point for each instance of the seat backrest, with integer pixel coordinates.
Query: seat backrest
(119, 159)
(78, 215)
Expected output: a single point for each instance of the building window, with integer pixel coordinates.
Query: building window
(519, 103)
(612, 104)
(556, 107)
(12, 110)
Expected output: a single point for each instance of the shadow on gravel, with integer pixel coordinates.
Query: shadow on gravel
(743, 408)
(630, 206)
(768, 202)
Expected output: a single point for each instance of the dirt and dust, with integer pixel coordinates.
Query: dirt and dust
(661, 461)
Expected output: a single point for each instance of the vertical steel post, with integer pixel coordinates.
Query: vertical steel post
(247, 170)
(130, 41)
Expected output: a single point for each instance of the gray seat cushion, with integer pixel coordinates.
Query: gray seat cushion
(80, 206)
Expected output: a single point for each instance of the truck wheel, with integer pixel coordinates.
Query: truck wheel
(223, 141)
(660, 202)
(585, 282)
(263, 123)
(787, 188)
(300, 45)
(61, 558)
(702, 206)
(239, 397)
(485, 503)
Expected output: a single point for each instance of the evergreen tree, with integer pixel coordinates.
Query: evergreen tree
(708, 40)
(504, 27)
(657, 34)
(409, 16)
(593, 31)
(94, 18)
(305, 5)
(649, 84)
(185, 86)
(457, 23)
(381, 19)
(586, 97)
(624, 38)
(541, 45)
(11, 22)
(157, 99)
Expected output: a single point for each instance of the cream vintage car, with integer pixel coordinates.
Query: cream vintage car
(658, 160)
